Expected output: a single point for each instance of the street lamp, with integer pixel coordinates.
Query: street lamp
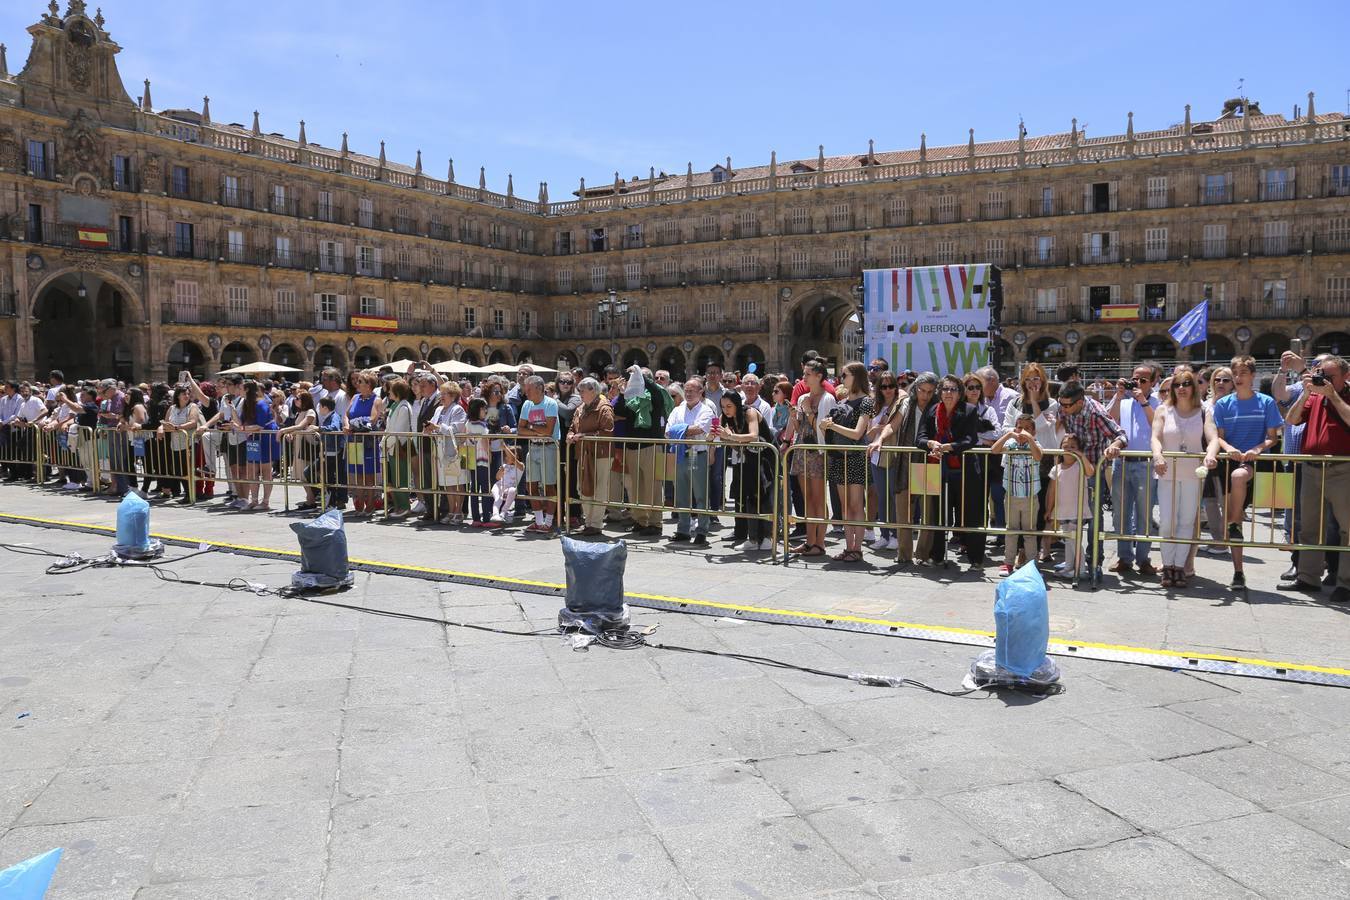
(610, 308)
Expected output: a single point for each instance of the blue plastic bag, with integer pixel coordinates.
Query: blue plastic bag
(29, 879)
(133, 522)
(595, 577)
(323, 545)
(1021, 621)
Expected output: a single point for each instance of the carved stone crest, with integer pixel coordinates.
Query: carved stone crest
(11, 156)
(79, 66)
(150, 173)
(82, 144)
(85, 262)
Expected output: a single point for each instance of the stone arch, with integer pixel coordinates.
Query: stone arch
(706, 356)
(437, 355)
(285, 354)
(566, 360)
(1337, 343)
(1219, 348)
(138, 314)
(471, 357)
(237, 353)
(367, 358)
(597, 360)
(405, 353)
(330, 355)
(1268, 347)
(635, 357)
(497, 356)
(1048, 351)
(187, 354)
(815, 321)
(1100, 349)
(672, 360)
(747, 354)
(1155, 347)
(523, 357)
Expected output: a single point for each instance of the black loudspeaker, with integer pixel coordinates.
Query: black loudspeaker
(995, 306)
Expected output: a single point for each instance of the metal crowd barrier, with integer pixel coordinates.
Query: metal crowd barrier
(260, 463)
(19, 450)
(647, 464)
(59, 449)
(1275, 516)
(443, 471)
(932, 503)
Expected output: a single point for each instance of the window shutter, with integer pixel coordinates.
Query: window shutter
(337, 255)
(1115, 239)
(1087, 197)
(1115, 194)
(1083, 296)
(318, 311)
(1138, 293)
(1087, 243)
(1115, 293)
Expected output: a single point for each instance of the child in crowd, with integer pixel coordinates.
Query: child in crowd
(1066, 500)
(478, 459)
(504, 491)
(1021, 481)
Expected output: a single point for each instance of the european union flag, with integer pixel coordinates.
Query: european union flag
(1192, 328)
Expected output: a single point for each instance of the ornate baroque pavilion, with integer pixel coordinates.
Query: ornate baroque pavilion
(138, 240)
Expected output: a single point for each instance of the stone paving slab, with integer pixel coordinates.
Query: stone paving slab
(186, 742)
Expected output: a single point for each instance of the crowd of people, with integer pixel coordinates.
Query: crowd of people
(887, 463)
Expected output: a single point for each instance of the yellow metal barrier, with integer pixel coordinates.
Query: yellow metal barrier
(931, 498)
(646, 464)
(20, 451)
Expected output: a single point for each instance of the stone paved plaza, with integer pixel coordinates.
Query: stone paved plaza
(190, 742)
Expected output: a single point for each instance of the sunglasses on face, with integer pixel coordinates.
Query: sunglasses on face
(1223, 381)
(972, 387)
(948, 389)
(1182, 384)
(565, 381)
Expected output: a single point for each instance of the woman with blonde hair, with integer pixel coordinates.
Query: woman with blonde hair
(364, 412)
(450, 423)
(1034, 398)
(1181, 425)
(398, 447)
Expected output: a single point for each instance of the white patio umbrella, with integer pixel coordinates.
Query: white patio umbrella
(502, 367)
(259, 368)
(401, 366)
(455, 367)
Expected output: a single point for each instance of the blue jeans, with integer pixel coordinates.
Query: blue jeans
(881, 481)
(717, 487)
(691, 478)
(1133, 490)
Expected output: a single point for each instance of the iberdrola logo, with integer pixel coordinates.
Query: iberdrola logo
(909, 328)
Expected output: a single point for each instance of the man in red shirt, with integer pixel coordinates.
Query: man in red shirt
(1326, 486)
(800, 387)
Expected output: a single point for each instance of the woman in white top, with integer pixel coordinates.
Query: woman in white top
(1181, 426)
(181, 419)
(813, 408)
(1035, 398)
(300, 441)
(448, 423)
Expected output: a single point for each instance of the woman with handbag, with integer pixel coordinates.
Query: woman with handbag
(449, 423)
(595, 418)
(743, 425)
(398, 448)
(949, 428)
(260, 447)
(364, 411)
(180, 421)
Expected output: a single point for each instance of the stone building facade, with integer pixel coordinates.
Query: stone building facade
(140, 241)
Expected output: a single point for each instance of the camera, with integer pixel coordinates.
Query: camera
(1132, 383)
(1319, 379)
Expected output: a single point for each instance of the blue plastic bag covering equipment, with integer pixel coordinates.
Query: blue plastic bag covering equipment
(594, 585)
(29, 879)
(323, 553)
(1021, 622)
(133, 522)
(133, 529)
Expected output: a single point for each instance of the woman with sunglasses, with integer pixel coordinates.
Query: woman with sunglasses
(886, 402)
(1220, 385)
(950, 428)
(1181, 425)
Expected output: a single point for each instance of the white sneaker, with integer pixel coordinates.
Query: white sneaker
(418, 507)
(878, 544)
(239, 504)
(71, 486)
(870, 535)
(740, 545)
(893, 543)
(766, 544)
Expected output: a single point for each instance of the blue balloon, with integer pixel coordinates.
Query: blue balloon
(752, 367)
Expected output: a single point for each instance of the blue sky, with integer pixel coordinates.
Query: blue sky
(553, 92)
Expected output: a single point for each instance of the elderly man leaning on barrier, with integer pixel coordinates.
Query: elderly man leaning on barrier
(691, 420)
(1325, 486)
(1099, 437)
(1133, 487)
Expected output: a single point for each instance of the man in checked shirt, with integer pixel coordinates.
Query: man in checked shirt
(1099, 436)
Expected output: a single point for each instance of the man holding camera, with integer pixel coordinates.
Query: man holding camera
(1133, 487)
(1326, 486)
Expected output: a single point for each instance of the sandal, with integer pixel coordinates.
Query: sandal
(1167, 578)
(814, 550)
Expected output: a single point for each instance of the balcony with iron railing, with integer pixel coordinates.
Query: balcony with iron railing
(236, 197)
(125, 181)
(993, 210)
(707, 232)
(329, 212)
(1156, 198)
(798, 226)
(837, 223)
(633, 242)
(9, 305)
(283, 206)
(745, 230)
(893, 217)
(405, 225)
(1276, 190)
(1214, 194)
(945, 214)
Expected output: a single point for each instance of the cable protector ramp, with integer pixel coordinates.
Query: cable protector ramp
(1181, 660)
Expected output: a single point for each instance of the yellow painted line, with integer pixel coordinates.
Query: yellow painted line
(730, 607)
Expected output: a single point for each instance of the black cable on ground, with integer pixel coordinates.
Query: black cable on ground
(616, 640)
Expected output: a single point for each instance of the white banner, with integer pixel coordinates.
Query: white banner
(928, 318)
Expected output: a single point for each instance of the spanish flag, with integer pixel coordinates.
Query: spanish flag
(1119, 311)
(93, 237)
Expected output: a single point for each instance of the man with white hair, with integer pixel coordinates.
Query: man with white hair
(539, 424)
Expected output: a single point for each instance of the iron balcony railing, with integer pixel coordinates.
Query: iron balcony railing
(9, 304)
(1276, 190)
(1214, 194)
(993, 210)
